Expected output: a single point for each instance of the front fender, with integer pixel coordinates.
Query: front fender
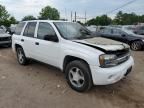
(91, 59)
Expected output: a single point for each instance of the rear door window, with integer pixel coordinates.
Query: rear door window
(107, 31)
(30, 29)
(116, 32)
(19, 28)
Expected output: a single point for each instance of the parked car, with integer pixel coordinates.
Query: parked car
(3, 27)
(92, 28)
(135, 41)
(5, 38)
(85, 59)
(139, 30)
(129, 27)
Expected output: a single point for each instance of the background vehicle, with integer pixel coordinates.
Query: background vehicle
(92, 28)
(5, 38)
(139, 30)
(86, 60)
(135, 41)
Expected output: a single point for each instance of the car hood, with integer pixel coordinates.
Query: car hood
(5, 35)
(138, 36)
(103, 44)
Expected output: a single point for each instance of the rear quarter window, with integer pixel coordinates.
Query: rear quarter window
(19, 28)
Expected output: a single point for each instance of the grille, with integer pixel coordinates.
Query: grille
(122, 55)
(5, 38)
(123, 59)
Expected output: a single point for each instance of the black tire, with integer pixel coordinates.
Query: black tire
(136, 45)
(85, 72)
(23, 60)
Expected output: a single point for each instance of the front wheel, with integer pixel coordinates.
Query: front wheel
(21, 56)
(78, 76)
(136, 45)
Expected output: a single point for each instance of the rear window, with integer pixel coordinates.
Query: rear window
(19, 28)
(30, 29)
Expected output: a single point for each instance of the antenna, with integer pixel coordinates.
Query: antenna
(85, 16)
(71, 16)
(66, 14)
(75, 16)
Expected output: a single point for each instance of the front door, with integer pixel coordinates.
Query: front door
(45, 50)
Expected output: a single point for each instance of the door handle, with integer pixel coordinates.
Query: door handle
(36, 43)
(22, 40)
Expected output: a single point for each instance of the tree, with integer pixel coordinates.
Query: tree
(3, 15)
(91, 22)
(28, 17)
(13, 20)
(100, 20)
(49, 13)
(126, 18)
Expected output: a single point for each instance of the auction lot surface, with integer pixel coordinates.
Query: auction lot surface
(42, 86)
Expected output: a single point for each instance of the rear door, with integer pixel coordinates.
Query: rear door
(106, 33)
(28, 39)
(116, 34)
(17, 36)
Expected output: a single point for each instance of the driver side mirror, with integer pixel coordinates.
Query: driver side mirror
(123, 35)
(52, 38)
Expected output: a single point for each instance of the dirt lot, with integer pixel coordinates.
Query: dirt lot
(41, 86)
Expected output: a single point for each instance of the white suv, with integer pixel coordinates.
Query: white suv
(85, 59)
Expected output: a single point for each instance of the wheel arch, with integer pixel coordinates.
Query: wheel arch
(16, 46)
(69, 58)
(134, 41)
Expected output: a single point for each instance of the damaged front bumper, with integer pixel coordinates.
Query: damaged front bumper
(105, 76)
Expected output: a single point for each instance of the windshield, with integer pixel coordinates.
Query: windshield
(129, 32)
(2, 31)
(70, 30)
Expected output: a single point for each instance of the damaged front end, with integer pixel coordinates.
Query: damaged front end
(115, 53)
(114, 58)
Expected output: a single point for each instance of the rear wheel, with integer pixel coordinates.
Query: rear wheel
(21, 56)
(136, 45)
(78, 76)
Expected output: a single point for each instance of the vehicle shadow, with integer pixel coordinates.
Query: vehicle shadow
(4, 47)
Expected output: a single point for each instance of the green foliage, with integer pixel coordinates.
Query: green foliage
(29, 17)
(49, 13)
(3, 13)
(13, 20)
(120, 19)
(100, 20)
(126, 19)
(5, 18)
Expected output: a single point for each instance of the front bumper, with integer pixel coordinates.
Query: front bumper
(105, 76)
(143, 45)
(5, 42)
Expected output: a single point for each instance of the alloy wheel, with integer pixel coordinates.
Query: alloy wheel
(76, 77)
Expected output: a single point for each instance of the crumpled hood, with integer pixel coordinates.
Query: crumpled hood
(104, 43)
(5, 35)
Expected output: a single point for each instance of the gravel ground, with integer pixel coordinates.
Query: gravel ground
(42, 86)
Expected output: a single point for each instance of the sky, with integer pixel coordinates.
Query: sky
(93, 8)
